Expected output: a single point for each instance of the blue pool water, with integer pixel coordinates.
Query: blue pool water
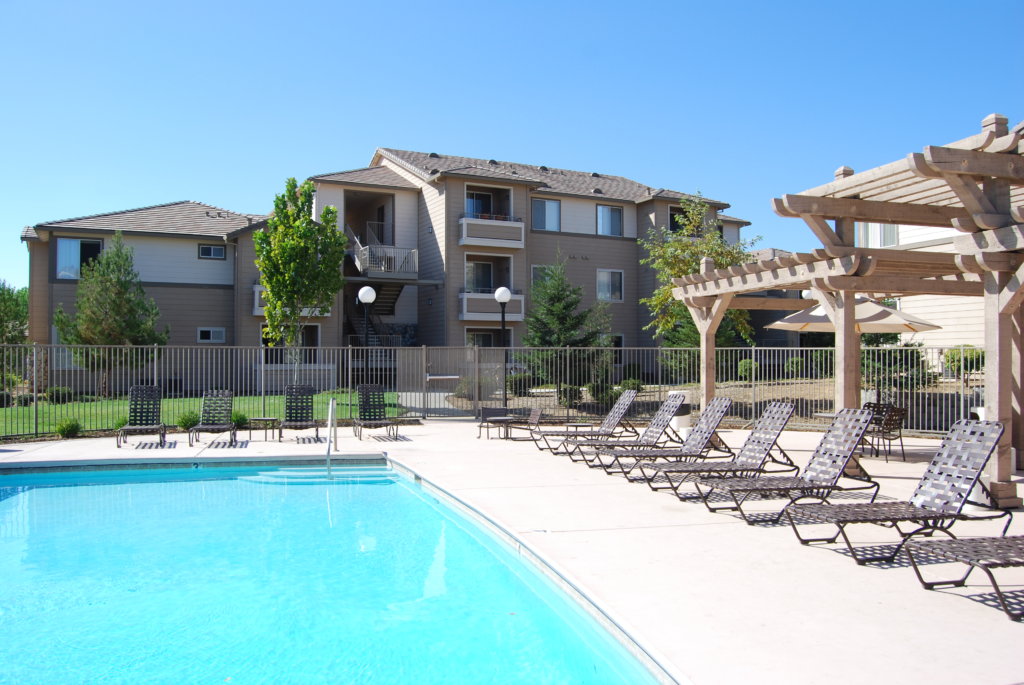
(244, 576)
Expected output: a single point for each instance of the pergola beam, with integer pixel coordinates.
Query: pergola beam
(867, 210)
(1009, 167)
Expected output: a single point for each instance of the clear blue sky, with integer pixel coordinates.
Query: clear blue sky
(111, 105)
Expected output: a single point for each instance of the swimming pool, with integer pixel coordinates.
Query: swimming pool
(274, 576)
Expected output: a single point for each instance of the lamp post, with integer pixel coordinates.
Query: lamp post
(366, 296)
(503, 295)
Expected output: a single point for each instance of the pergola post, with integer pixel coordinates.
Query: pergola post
(841, 309)
(707, 320)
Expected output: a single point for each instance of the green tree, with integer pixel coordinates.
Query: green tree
(300, 260)
(557, 319)
(13, 314)
(676, 251)
(111, 308)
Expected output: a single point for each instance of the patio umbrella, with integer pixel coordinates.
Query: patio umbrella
(871, 317)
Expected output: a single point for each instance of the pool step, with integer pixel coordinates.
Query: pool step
(318, 475)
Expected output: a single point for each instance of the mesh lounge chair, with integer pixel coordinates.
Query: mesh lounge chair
(298, 410)
(530, 424)
(373, 411)
(936, 504)
(751, 459)
(614, 425)
(984, 553)
(819, 479)
(697, 445)
(583, 450)
(215, 416)
(143, 414)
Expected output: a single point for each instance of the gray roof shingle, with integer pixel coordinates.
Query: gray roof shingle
(560, 181)
(173, 218)
(374, 175)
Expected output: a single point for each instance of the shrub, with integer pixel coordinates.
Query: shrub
(59, 394)
(68, 428)
(6, 400)
(9, 380)
(25, 400)
(795, 367)
(631, 370)
(603, 393)
(519, 384)
(967, 359)
(823, 362)
(631, 384)
(187, 419)
(569, 395)
(746, 369)
(123, 421)
(239, 419)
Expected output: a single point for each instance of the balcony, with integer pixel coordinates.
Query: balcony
(382, 261)
(491, 230)
(479, 306)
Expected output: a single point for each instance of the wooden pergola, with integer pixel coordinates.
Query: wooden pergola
(975, 185)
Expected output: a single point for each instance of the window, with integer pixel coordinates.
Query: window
(479, 277)
(212, 252)
(210, 335)
(72, 253)
(547, 215)
(889, 235)
(480, 338)
(538, 272)
(478, 204)
(609, 285)
(609, 220)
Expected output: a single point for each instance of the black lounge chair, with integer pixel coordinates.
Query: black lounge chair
(584, 449)
(215, 416)
(819, 479)
(614, 425)
(530, 423)
(697, 445)
(298, 410)
(756, 452)
(937, 502)
(143, 414)
(373, 411)
(984, 553)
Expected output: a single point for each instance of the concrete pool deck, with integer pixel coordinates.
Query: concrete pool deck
(714, 600)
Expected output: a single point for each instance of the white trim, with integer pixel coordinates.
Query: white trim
(622, 284)
(597, 220)
(545, 199)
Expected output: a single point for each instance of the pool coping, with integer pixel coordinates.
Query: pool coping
(656, 666)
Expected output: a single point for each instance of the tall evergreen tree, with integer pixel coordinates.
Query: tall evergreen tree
(300, 260)
(555, 318)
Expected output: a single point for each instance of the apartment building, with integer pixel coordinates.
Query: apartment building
(433, 235)
(467, 226)
(961, 319)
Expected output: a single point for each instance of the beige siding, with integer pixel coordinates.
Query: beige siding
(39, 303)
(176, 260)
(962, 318)
(328, 194)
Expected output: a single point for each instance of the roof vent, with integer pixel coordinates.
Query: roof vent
(597, 191)
(543, 168)
(595, 174)
(434, 155)
(492, 161)
(434, 171)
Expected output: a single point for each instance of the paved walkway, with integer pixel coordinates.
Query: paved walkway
(713, 599)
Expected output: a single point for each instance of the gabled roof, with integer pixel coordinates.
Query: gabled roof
(732, 219)
(173, 218)
(430, 166)
(372, 176)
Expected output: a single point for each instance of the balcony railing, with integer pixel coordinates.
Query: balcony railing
(383, 260)
(476, 306)
(495, 230)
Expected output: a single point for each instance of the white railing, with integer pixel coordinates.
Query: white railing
(388, 259)
(332, 431)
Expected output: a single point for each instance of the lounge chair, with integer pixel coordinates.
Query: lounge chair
(143, 414)
(819, 479)
(215, 416)
(373, 411)
(298, 410)
(530, 423)
(984, 553)
(584, 449)
(937, 502)
(697, 445)
(614, 425)
(756, 452)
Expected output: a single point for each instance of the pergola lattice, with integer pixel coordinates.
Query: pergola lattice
(976, 186)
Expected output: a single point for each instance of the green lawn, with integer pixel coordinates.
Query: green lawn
(103, 414)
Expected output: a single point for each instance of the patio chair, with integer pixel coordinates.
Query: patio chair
(530, 423)
(614, 425)
(298, 410)
(373, 411)
(492, 417)
(697, 445)
(143, 414)
(888, 430)
(751, 459)
(937, 502)
(215, 416)
(984, 553)
(820, 477)
(583, 450)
